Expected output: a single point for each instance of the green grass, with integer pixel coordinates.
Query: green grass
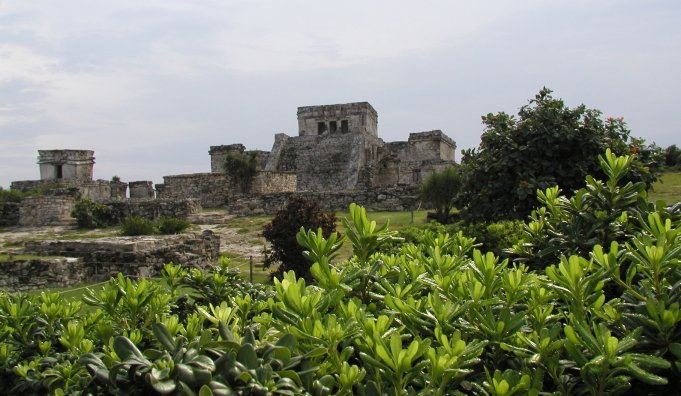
(21, 257)
(90, 234)
(74, 292)
(248, 224)
(260, 274)
(667, 189)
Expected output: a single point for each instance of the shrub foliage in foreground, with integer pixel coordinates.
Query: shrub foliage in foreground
(439, 317)
(285, 253)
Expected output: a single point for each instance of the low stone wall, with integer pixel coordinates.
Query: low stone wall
(272, 182)
(46, 210)
(142, 189)
(95, 190)
(153, 209)
(22, 275)
(9, 214)
(211, 189)
(132, 256)
(388, 199)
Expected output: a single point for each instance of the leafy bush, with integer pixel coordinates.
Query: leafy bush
(548, 144)
(439, 190)
(135, 225)
(672, 157)
(172, 225)
(281, 234)
(242, 168)
(90, 214)
(439, 317)
(11, 195)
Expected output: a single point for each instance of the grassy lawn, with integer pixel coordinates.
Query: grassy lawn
(5, 257)
(667, 189)
(248, 224)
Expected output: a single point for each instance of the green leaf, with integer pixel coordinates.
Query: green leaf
(248, 356)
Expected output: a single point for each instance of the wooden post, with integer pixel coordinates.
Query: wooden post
(250, 265)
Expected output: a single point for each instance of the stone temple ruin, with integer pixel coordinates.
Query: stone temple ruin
(336, 158)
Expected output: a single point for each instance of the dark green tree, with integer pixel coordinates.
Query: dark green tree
(281, 234)
(439, 190)
(672, 156)
(548, 144)
(241, 168)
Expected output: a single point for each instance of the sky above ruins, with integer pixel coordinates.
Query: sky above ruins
(150, 85)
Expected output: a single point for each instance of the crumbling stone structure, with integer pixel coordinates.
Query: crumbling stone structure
(71, 169)
(66, 164)
(142, 190)
(336, 158)
(337, 149)
(95, 260)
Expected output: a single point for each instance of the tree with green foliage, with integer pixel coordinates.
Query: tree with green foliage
(281, 234)
(241, 168)
(548, 144)
(89, 214)
(672, 156)
(439, 190)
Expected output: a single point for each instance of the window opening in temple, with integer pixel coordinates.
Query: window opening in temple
(333, 127)
(344, 126)
(321, 128)
(60, 173)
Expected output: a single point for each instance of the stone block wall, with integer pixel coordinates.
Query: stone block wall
(95, 190)
(271, 182)
(153, 209)
(211, 189)
(142, 189)
(66, 164)
(46, 210)
(388, 199)
(9, 214)
(219, 153)
(23, 275)
(357, 118)
(323, 163)
(133, 256)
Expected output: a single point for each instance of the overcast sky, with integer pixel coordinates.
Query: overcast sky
(151, 85)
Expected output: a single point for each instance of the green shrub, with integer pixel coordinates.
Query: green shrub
(135, 225)
(434, 318)
(439, 190)
(548, 144)
(11, 195)
(242, 168)
(90, 214)
(172, 225)
(281, 233)
(493, 237)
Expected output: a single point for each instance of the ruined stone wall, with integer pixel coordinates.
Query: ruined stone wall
(95, 190)
(153, 209)
(409, 163)
(23, 275)
(211, 189)
(356, 118)
(66, 164)
(388, 199)
(46, 210)
(132, 256)
(142, 189)
(219, 153)
(9, 214)
(271, 182)
(324, 163)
